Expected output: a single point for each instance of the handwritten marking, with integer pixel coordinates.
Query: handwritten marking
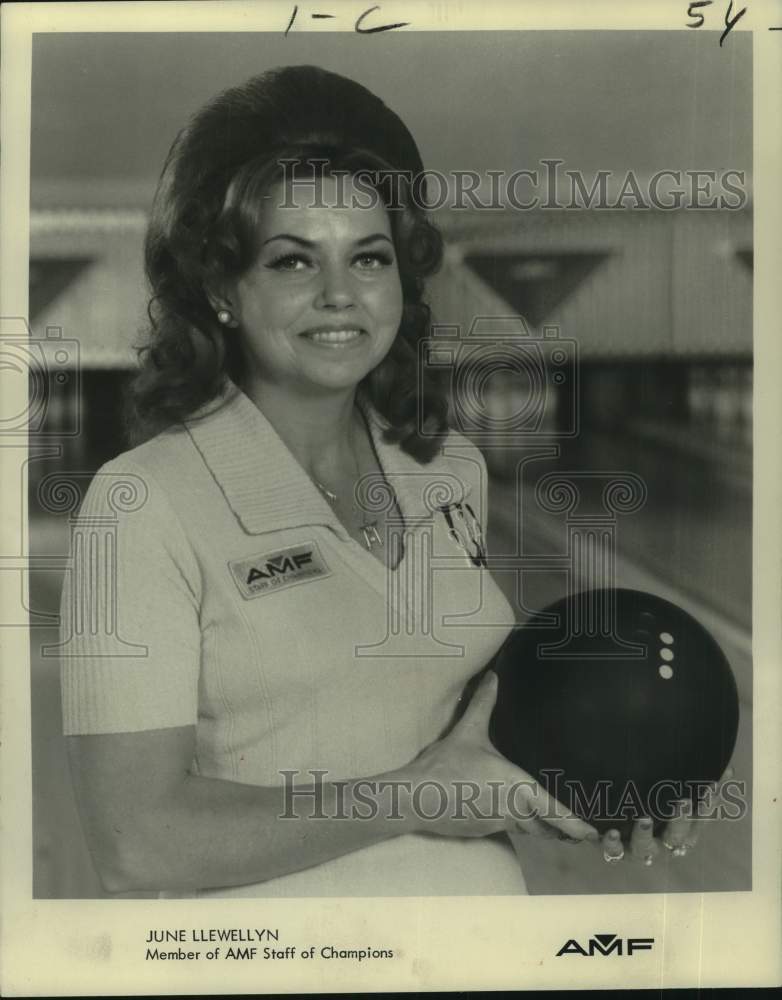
(691, 12)
(382, 27)
(293, 18)
(729, 24)
(699, 19)
(359, 21)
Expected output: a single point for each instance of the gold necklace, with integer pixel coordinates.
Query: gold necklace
(368, 527)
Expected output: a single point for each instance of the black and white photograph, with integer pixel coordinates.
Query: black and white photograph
(390, 453)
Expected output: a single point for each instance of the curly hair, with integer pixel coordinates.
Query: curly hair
(203, 230)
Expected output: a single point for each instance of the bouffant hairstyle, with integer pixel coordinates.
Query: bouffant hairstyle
(203, 231)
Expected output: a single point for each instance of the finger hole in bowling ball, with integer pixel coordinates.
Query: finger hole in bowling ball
(581, 711)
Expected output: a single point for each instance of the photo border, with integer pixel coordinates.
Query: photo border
(95, 947)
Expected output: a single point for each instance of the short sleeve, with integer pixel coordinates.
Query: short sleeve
(130, 638)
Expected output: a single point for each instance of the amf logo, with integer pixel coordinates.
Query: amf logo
(606, 944)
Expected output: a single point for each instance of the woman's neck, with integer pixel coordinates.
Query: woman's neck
(319, 430)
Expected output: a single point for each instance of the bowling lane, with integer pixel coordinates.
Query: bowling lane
(694, 530)
(695, 527)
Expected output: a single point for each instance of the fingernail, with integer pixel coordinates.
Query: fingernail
(642, 843)
(613, 850)
(593, 834)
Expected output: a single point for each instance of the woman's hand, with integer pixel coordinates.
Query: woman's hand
(679, 836)
(466, 788)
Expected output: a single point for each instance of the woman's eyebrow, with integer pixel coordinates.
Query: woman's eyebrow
(372, 238)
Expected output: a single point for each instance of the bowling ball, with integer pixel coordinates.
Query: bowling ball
(618, 702)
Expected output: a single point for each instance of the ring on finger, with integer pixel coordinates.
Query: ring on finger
(614, 852)
(613, 848)
(680, 848)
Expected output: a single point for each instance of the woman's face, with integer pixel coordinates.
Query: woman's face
(321, 305)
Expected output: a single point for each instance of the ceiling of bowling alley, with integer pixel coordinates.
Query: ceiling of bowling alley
(106, 106)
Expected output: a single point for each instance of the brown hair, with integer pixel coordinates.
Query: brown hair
(203, 230)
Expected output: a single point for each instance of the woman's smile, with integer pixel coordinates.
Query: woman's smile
(338, 336)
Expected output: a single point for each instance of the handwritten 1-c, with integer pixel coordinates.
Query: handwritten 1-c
(358, 26)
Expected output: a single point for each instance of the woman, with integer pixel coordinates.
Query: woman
(301, 593)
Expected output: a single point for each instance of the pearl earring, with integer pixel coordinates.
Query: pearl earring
(224, 317)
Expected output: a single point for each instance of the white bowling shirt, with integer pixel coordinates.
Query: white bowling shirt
(212, 585)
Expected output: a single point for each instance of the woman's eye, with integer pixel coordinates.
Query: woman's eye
(371, 261)
(289, 262)
(298, 262)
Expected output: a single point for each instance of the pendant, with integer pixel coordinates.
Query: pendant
(471, 539)
(371, 536)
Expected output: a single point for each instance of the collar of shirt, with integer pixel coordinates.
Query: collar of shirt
(266, 488)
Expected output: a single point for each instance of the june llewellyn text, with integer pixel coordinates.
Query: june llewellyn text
(214, 934)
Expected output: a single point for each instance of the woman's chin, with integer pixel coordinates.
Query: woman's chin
(339, 374)
(336, 384)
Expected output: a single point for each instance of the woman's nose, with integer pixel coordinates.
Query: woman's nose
(336, 290)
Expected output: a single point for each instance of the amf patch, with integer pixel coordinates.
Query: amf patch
(273, 571)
